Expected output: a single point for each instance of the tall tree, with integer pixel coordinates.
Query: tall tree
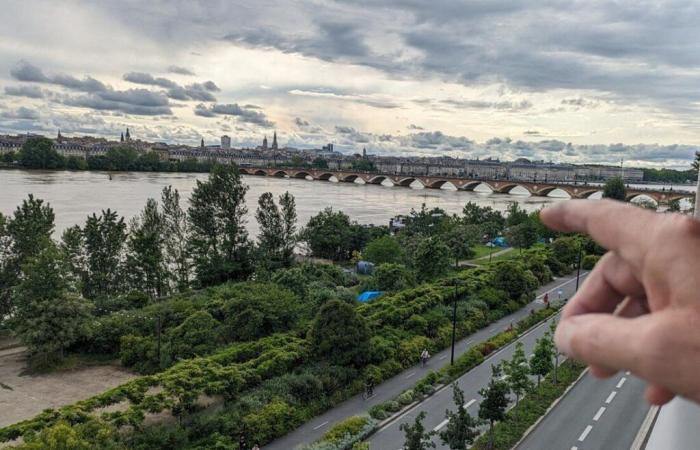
(219, 241)
(383, 250)
(460, 239)
(462, 428)
(615, 189)
(49, 317)
(176, 235)
(555, 351)
(518, 374)
(339, 335)
(146, 262)
(271, 235)
(431, 259)
(328, 235)
(495, 400)
(25, 235)
(104, 237)
(417, 437)
(541, 361)
(523, 235)
(72, 247)
(515, 214)
(288, 207)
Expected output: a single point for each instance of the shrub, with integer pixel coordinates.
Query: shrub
(351, 426)
(589, 261)
(392, 406)
(405, 397)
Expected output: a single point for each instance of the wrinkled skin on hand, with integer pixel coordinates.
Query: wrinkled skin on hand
(639, 309)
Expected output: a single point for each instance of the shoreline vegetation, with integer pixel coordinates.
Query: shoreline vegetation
(208, 316)
(38, 153)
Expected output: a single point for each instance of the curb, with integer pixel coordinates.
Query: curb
(551, 407)
(640, 441)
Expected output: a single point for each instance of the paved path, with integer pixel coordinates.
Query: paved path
(595, 414)
(314, 429)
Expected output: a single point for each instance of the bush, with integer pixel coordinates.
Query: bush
(351, 426)
(589, 261)
(405, 397)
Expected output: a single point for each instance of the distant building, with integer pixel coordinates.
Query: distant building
(225, 142)
(328, 148)
(264, 146)
(274, 141)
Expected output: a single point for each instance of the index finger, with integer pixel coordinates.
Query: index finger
(616, 226)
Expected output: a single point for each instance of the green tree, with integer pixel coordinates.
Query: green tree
(9, 157)
(89, 435)
(288, 207)
(121, 158)
(522, 235)
(431, 259)
(277, 230)
(417, 437)
(363, 165)
(565, 249)
(615, 189)
(76, 163)
(480, 215)
(176, 236)
(383, 250)
(146, 262)
(555, 351)
(48, 316)
(339, 335)
(219, 241)
(328, 234)
(149, 162)
(24, 236)
(515, 215)
(319, 163)
(72, 248)
(541, 361)
(38, 153)
(460, 239)
(104, 237)
(517, 373)
(392, 277)
(462, 428)
(495, 400)
(512, 277)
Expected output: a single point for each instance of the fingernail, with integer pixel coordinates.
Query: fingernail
(563, 336)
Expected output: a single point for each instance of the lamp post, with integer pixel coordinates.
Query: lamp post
(454, 322)
(578, 268)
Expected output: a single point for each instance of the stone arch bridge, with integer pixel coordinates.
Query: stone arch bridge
(541, 189)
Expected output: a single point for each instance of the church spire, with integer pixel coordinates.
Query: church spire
(274, 141)
(264, 146)
(202, 143)
(127, 136)
(59, 137)
(122, 138)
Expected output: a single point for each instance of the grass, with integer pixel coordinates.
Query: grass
(70, 362)
(481, 250)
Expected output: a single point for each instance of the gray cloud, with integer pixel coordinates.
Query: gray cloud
(480, 104)
(301, 122)
(180, 70)
(233, 109)
(195, 91)
(24, 91)
(22, 113)
(24, 71)
(130, 101)
(369, 100)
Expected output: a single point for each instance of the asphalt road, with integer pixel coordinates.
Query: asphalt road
(595, 414)
(390, 437)
(316, 427)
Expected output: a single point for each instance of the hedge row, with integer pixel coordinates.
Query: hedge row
(345, 435)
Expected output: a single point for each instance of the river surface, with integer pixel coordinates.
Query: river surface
(75, 195)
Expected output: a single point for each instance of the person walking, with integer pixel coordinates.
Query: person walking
(424, 356)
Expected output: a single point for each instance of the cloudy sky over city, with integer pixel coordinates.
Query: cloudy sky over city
(568, 81)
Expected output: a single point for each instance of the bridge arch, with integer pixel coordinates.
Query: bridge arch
(280, 174)
(406, 182)
(243, 171)
(379, 179)
(438, 184)
(326, 176)
(301, 175)
(260, 173)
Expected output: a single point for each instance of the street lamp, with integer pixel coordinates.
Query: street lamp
(578, 268)
(454, 322)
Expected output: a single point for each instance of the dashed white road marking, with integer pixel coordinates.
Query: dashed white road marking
(621, 382)
(611, 397)
(443, 357)
(572, 448)
(599, 413)
(441, 424)
(410, 374)
(585, 433)
(469, 403)
(322, 425)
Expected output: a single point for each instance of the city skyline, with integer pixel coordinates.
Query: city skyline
(484, 79)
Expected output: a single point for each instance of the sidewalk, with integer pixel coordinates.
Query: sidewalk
(316, 427)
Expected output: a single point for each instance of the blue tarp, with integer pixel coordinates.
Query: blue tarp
(365, 268)
(500, 242)
(369, 295)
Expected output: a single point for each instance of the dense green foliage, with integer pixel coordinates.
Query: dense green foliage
(615, 189)
(38, 153)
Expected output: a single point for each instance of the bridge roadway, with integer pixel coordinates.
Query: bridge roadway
(536, 188)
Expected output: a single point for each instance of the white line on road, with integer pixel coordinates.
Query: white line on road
(323, 424)
(621, 382)
(585, 433)
(443, 357)
(611, 397)
(469, 403)
(469, 342)
(441, 424)
(572, 448)
(410, 374)
(599, 413)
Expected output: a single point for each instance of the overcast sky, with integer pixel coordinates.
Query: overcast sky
(572, 80)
